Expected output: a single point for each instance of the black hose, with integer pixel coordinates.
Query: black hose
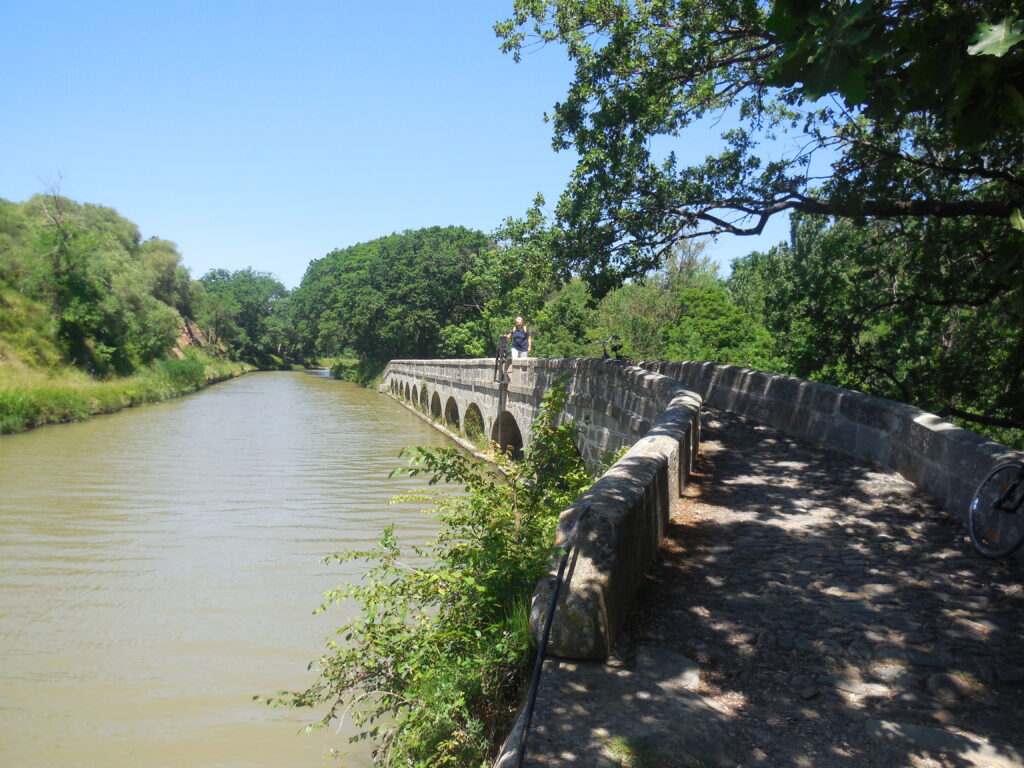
(542, 645)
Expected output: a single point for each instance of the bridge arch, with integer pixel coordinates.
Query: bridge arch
(451, 414)
(473, 422)
(507, 435)
(435, 405)
(423, 402)
(415, 395)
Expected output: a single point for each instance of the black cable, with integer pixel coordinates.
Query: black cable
(542, 645)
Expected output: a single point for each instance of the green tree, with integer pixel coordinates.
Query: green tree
(392, 297)
(710, 326)
(171, 281)
(237, 309)
(648, 69)
(908, 312)
(90, 269)
(566, 323)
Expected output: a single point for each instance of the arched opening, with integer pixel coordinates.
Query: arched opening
(473, 423)
(507, 435)
(424, 403)
(415, 395)
(408, 393)
(451, 413)
(435, 406)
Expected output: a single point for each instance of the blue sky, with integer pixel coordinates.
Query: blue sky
(265, 134)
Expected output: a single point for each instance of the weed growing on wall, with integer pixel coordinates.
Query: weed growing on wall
(432, 665)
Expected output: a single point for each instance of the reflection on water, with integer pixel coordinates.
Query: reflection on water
(160, 566)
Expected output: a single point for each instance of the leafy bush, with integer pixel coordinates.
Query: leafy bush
(183, 375)
(433, 662)
(364, 372)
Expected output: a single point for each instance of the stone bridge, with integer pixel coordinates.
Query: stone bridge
(654, 408)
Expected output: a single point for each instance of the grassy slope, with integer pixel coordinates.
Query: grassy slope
(37, 386)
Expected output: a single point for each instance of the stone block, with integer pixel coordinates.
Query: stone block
(925, 434)
(841, 434)
(778, 413)
(872, 445)
(865, 410)
(825, 398)
(958, 497)
(970, 457)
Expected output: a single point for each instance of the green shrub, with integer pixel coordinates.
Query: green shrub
(34, 400)
(432, 665)
(364, 372)
(183, 375)
(16, 412)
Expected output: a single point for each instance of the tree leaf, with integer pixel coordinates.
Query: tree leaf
(1017, 219)
(996, 39)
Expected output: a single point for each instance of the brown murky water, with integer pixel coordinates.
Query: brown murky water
(160, 566)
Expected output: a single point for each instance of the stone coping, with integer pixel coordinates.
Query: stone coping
(940, 458)
(627, 508)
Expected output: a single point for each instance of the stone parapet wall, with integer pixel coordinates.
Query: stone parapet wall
(940, 458)
(626, 511)
(654, 408)
(613, 404)
(623, 518)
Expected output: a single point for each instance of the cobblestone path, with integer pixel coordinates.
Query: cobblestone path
(809, 610)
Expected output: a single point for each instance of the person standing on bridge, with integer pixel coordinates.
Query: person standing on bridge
(522, 342)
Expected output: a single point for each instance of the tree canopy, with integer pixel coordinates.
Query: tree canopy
(240, 309)
(391, 297)
(916, 106)
(114, 299)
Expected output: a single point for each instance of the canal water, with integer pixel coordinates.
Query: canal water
(160, 566)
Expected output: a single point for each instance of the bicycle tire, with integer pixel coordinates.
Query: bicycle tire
(994, 532)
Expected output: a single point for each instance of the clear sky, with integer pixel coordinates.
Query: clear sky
(265, 134)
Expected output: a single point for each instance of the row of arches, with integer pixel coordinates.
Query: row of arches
(504, 431)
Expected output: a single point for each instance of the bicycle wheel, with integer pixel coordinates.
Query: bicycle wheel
(996, 532)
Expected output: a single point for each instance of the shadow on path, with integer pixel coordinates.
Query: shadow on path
(807, 610)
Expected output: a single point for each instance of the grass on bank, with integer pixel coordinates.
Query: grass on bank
(31, 398)
(38, 386)
(367, 373)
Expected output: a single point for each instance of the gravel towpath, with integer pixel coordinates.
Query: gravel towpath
(807, 610)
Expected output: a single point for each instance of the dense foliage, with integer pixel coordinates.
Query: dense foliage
(431, 665)
(391, 297)
(892, 130)
(115, 301)
(845, 306)
(905, 132)
(79, 283)
(246, 312)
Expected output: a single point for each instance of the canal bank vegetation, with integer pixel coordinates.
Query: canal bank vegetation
(432, 666)
(94, 319)
(39, 386)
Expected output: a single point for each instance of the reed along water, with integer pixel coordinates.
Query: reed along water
(161, 565)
